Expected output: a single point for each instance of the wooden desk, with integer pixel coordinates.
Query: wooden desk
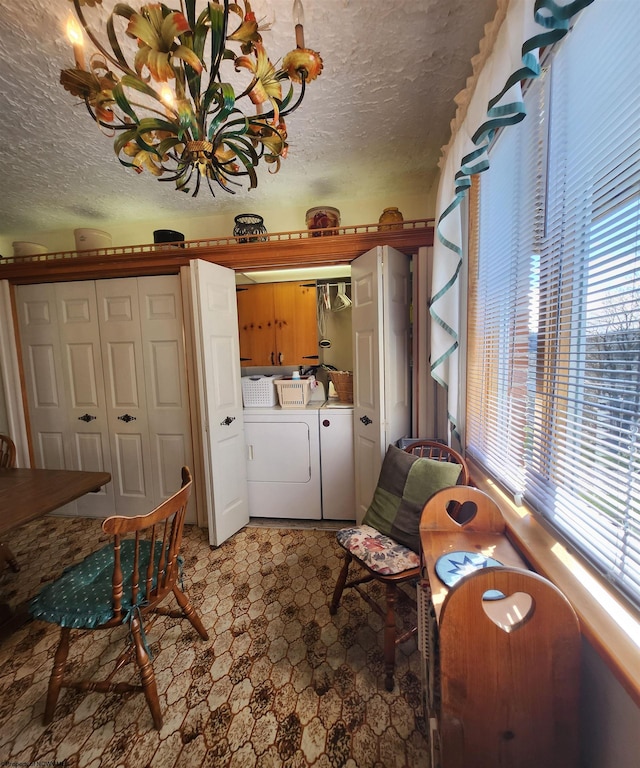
(25, 495)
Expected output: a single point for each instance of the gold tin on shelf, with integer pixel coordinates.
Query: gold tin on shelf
(390, 218)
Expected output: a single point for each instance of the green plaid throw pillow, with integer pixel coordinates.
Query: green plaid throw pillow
(404, 485)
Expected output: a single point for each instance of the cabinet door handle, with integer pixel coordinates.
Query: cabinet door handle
(280, 358)
(126, 418)
(272, 360)
(227, 421)
(366, 420)
(326, 423)
(87, 418)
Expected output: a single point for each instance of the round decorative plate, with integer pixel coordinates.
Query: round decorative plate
(451, 567)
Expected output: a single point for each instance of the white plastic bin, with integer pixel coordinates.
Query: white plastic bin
(294, 393)
(259, 391)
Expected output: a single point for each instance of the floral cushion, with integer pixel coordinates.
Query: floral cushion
(377, 551)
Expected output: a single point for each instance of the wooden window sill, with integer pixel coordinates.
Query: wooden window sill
(610, 624)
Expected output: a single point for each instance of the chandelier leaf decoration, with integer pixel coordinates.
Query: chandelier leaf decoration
(174, 107)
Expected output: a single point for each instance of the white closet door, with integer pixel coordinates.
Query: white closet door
(63, 376)
(83, 378)
(106, 385)
(42, 362)
(396, 345)
(380, 327)
(165, 383)
(217, 351)
(123, 361)
(368, 390)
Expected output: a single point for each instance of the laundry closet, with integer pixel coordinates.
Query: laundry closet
(136, 376)
(300, 459)
(320, 459)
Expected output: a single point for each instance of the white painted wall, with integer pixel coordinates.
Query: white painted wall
(276, 219)
(609, 719)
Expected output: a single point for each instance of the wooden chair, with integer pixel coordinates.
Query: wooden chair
(404, 563)
(432, 449)
(123, 583)
(509, 673)
(7, 461)
(7, 452)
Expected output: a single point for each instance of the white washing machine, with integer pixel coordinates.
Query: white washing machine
(283, 462)
(337, 461)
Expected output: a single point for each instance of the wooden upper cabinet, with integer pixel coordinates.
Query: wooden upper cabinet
(256, 323)
(296, 325)
(277, 323)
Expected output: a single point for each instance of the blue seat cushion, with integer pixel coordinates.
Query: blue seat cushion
(82, 596)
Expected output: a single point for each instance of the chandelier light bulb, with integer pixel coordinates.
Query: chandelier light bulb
(75, 37)
(168, 97)
(298, 21)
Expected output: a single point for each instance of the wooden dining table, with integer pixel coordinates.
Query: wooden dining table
(27, 494)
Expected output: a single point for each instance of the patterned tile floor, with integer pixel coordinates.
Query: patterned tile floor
(279, 683)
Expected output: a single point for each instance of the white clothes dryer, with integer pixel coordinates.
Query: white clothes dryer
(283, 462)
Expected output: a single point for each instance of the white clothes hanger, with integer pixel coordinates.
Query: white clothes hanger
(341, 301)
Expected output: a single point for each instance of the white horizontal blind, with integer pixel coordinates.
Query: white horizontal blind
(574, 448)
(498, 366)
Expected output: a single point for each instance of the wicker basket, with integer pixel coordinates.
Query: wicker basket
(343, 382)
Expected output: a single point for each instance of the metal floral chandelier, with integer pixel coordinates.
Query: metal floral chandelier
(172, 111)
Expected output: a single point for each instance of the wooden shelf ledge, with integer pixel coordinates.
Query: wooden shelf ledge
(280, 250)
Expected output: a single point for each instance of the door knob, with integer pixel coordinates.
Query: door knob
(126, 418)
(87, 418)
(227, 421)
(366, 420)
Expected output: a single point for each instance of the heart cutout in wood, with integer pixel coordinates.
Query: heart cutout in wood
(509, 613)
(462, 514)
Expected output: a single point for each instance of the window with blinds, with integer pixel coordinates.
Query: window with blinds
(553, 395)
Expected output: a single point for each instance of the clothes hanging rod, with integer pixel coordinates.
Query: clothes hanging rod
(346, 282)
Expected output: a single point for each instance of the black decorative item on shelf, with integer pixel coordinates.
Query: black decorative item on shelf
(248, 228)
(168, 236)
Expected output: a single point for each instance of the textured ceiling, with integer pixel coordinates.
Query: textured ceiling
(371, 124)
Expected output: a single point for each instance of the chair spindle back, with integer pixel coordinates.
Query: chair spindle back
(156, 537)
(7, 452)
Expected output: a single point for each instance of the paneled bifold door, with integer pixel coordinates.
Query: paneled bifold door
(105, 374)
(380, 327)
